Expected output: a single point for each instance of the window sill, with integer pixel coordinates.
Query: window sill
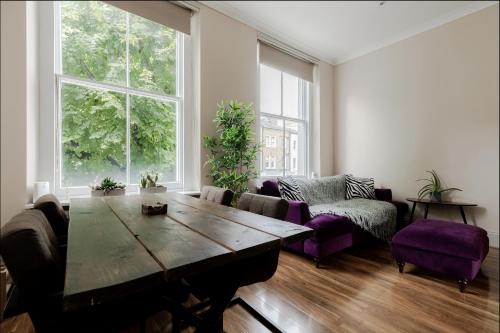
(65, 201)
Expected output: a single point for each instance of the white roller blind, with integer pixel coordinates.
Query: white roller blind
(285, 62)
(163, 12)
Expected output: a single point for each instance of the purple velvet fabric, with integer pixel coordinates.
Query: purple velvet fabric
(328, 226)
(298, 212)
(450, 238)
(332, 233)
(320, 247)
(447, 247)
(270, 187)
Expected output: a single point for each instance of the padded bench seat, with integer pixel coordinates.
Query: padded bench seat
(446, 247)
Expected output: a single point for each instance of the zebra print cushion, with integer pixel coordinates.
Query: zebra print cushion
(289, 189)
(359, 187)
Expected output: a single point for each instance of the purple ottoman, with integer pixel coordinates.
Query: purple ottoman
(447, 247)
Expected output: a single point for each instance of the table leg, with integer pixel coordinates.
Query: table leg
(426, 210)
(212, 320)
(412, 212)
(463, 214)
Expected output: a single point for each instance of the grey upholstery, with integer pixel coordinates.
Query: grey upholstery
(55, 214)
(29, 249)
(264, 205)
(216, 194)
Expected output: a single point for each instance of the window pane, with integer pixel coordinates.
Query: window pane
(295, 148)
(290, 96)
(152, 48)
(270, 90)
(93, 135)
(272, 154)
(93, 41)
(152, 138)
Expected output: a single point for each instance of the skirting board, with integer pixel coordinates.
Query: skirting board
(493, 236)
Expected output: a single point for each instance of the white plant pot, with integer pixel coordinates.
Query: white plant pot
(156, 189)
(101, 193)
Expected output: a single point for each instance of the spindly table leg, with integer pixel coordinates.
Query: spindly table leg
(426, 210)
(412, 212)
(463, 214)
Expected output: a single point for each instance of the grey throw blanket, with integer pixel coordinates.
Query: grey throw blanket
(376, 217)
(327, 196)
(322, 190)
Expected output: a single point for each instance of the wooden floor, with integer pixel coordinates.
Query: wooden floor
(359, 290)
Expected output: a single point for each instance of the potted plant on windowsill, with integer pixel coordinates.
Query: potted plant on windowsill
(149, 183)
(107, 187)
(434, 187)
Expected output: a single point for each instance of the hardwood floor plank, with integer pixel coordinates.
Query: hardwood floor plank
(359, 290)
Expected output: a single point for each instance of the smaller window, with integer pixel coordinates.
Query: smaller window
(273, 142)
(284, 107)
(270, 162)
(273, 163)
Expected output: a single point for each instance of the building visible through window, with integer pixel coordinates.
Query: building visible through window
(284, 107)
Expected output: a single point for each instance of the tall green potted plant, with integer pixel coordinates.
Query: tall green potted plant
(231, 151)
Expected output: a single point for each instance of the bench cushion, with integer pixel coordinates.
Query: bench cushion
(444, 237)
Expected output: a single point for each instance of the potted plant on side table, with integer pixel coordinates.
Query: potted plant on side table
(434, 187)
(149, 183)
(107, 187)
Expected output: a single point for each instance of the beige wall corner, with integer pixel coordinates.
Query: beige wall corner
(427, 102)
(228, 68)
(322, 122)
(13, 108)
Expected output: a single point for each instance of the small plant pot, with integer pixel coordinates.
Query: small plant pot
(102, 193)
(152, 190)
(435, 196)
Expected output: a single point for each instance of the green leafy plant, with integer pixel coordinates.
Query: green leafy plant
(149, 179)
(108, 184)
(93, 121)
(434, 187)
(232, 151)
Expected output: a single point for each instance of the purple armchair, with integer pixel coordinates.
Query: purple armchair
(333, 233)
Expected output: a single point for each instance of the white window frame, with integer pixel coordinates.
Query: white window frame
(304, 107)
(183, 79)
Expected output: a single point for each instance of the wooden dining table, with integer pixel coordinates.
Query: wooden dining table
(115, 250)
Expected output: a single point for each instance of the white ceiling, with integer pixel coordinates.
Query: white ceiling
(336, 31)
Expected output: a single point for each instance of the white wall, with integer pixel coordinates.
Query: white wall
(321, 121)
(229, 70)
(32, 92)
(19, 105)
(428, 102)
(225, 67)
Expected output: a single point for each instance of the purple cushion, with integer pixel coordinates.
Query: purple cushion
(298, 212)
(444, 237)
(270, 187)
(329, 225)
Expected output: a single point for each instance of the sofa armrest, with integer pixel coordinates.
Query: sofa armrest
(298, 212)
(402, 210)
(383, 194)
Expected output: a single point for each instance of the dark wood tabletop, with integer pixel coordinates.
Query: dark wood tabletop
(114, 249)
(444, 203)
